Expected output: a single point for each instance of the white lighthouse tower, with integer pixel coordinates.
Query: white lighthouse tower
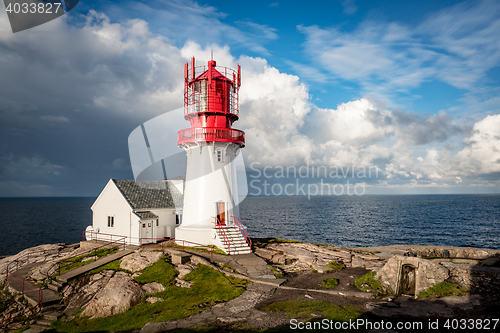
(211, 214)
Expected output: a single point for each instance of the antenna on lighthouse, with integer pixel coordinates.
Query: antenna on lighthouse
(212, 54)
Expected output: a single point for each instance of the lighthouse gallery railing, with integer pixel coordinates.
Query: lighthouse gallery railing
(211, 134)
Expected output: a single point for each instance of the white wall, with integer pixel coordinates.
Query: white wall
(112, 203)
(166, 218)
(207, 182)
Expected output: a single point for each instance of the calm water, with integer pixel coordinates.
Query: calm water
(454, 220)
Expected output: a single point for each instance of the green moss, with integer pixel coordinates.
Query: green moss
(262, 242)
(278, 273)
(297, 308)
(368, 283)
(338, 266)
(161, 272)
(444, 289)
(330, 283)
(363, 252)
(206, 249)
(209, 287)
(75, 262)
(314, 270)
(113, 265)
(228, 268)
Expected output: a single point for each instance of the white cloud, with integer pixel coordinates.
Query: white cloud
(482, 153)
(457, 45)
(110, 77)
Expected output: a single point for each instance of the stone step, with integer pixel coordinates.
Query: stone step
(43, 321)
(53, 307)
(39, 326)
(52, 315)
(54, 287)
(58, 283)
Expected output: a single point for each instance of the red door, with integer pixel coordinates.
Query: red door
(221, 213)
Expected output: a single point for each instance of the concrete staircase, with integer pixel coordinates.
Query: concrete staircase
(237, 243)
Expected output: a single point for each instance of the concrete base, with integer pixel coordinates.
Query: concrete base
(204, 235)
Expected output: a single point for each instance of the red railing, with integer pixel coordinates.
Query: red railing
(56, 267)
(222, 233)
(25, 285)
(211, 134)
(178, 240)
(242, 230)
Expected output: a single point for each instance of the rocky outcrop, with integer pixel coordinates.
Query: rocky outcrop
(304, 256)
(137, 261)
(80, 292)
(183, 271)
(47, 253)
(153, 287)
(119, 295)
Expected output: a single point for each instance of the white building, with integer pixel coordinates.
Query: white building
(141, 211)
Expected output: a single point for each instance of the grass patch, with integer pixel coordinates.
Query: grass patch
(444, 289)
(161, 272)
(209, 287)
(75, 262)
(314, 270)
(330, 283)
(228, 268)
(337, 266)
(368, 283)
(298, 308)
(113, 266)
(278, 273)
(206, 249)
(262, 242)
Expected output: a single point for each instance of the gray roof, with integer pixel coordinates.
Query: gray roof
(142, 194)
(146, 215)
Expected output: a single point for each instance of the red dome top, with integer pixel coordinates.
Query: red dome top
(211, 104)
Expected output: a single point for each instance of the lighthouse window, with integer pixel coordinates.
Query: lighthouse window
(219, 155)
(111, 221)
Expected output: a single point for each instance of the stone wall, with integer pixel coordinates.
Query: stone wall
(427, 273)
(477, 278)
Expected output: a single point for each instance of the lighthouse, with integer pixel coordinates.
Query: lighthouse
(211, 105)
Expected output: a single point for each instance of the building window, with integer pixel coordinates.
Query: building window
(219, 155)
(111, 221)
(157, 223)
(177, 219)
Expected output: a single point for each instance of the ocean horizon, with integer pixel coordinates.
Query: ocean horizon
(348, 221)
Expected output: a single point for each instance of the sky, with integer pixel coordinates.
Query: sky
(407, 89)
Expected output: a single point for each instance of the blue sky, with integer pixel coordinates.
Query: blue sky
(408, 87)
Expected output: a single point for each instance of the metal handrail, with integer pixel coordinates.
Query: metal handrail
(211, 134)
(243, 231)
(39, 291)
(51, 271)
(225, 238)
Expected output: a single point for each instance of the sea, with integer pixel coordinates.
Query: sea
(347, 221)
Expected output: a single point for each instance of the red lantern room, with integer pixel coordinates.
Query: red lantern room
(211, 104)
